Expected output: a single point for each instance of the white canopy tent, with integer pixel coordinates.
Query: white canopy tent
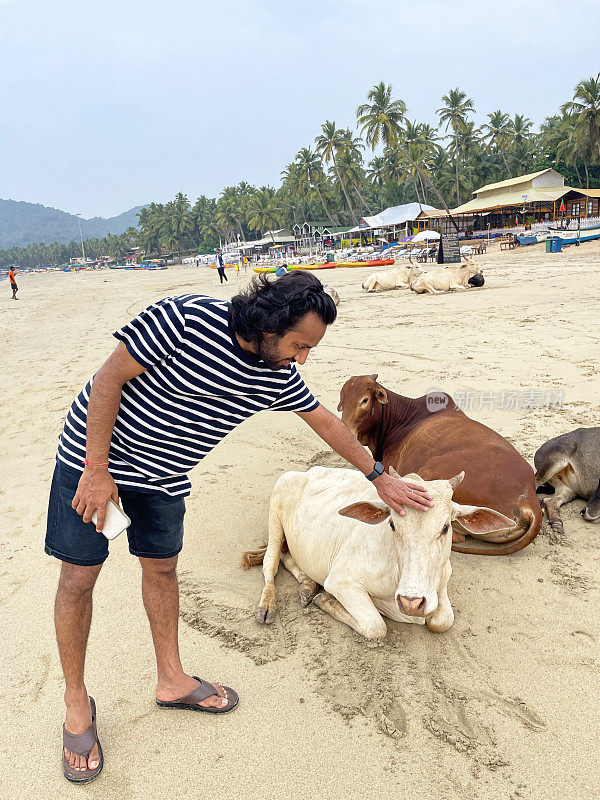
(397, 215)
(426, 236)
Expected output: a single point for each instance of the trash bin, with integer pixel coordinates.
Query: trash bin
(549, 241)
(281, 271)
(556, 244)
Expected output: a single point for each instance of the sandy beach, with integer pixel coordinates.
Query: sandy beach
(503, 705)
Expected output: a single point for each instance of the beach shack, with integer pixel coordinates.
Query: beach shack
(535, 199)
(388, 225)
(309, 233)
(282, 241)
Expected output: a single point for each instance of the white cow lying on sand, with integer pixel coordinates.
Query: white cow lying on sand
(445, 280)
(397, 278)
(399, 568)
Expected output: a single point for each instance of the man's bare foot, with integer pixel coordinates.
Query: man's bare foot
(78, 720)
(170, 691)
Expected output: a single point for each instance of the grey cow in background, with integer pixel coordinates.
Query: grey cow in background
(570, 464)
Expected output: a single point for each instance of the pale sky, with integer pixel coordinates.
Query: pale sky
(105, 105)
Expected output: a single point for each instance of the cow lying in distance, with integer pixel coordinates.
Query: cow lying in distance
(333, 294)
(432, 437)
(399, 569)
(570, 465)
(397, 278)
(446, 280)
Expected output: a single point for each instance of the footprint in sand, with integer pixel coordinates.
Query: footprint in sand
(233, 627)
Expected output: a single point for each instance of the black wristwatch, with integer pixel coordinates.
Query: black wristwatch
(378, 470)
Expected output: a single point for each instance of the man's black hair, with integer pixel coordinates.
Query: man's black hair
(275, 306)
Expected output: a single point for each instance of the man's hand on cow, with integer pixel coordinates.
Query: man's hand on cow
(397, 494)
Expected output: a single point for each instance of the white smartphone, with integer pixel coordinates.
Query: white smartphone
(115, 521)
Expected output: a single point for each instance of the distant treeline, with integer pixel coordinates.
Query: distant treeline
(334, 180)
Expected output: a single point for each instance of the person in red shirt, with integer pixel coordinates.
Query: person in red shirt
(13, 283)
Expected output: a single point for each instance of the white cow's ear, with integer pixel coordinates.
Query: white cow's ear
(371, 513)
(478, 520)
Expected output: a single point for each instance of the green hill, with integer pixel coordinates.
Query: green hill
(29, 223)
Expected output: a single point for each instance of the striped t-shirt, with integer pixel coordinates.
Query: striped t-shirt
(198, 386)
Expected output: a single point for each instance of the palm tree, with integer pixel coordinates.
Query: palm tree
(352, 154)
(521, 128)
(585, 108)
(328, 144)
(311, 171)
(264, 214)
(382, 117)
(229, 217)
(498, 130)
(454, 114)
(382, 120)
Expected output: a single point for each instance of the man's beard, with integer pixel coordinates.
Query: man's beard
(268, 350)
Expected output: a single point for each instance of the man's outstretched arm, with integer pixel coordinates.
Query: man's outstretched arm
(339, 437)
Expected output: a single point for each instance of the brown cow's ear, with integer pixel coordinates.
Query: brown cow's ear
(371, 513)
(381, 395)
(374, 377)
(478, 520)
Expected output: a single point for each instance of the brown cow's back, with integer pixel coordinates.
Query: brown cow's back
(442, 444)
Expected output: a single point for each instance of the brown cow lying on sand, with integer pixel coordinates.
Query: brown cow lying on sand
(446, 280)
(432, 437)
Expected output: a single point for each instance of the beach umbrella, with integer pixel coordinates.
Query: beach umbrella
(426, 236)
(406, 239)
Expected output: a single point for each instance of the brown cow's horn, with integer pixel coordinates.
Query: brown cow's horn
(456, 480)
(373, 377)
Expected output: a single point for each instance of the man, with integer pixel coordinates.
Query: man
(13, 283)
(185, 373)
(245, 262)
(220, 267)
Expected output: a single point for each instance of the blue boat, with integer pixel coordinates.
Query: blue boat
(521, 239)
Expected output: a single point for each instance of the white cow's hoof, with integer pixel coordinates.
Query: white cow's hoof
(307, 591)
(267, 608)
(439, 623)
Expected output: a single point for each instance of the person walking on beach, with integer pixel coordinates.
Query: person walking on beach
(185, 373)
(220, 266)
(13, 283)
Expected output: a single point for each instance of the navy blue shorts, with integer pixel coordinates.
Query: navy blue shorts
(156, 529)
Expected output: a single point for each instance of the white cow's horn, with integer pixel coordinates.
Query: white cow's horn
(456, 480)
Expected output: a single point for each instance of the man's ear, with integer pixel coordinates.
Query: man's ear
(371, 513)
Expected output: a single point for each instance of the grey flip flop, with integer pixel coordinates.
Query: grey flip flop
(191, 700)
(82, 743)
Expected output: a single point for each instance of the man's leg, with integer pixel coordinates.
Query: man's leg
(72, 618)
(160, 592)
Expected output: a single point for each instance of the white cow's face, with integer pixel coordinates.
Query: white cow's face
(424, 539)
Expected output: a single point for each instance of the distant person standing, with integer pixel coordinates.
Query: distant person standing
(245, 262)
(13, 283)
(220, 266)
